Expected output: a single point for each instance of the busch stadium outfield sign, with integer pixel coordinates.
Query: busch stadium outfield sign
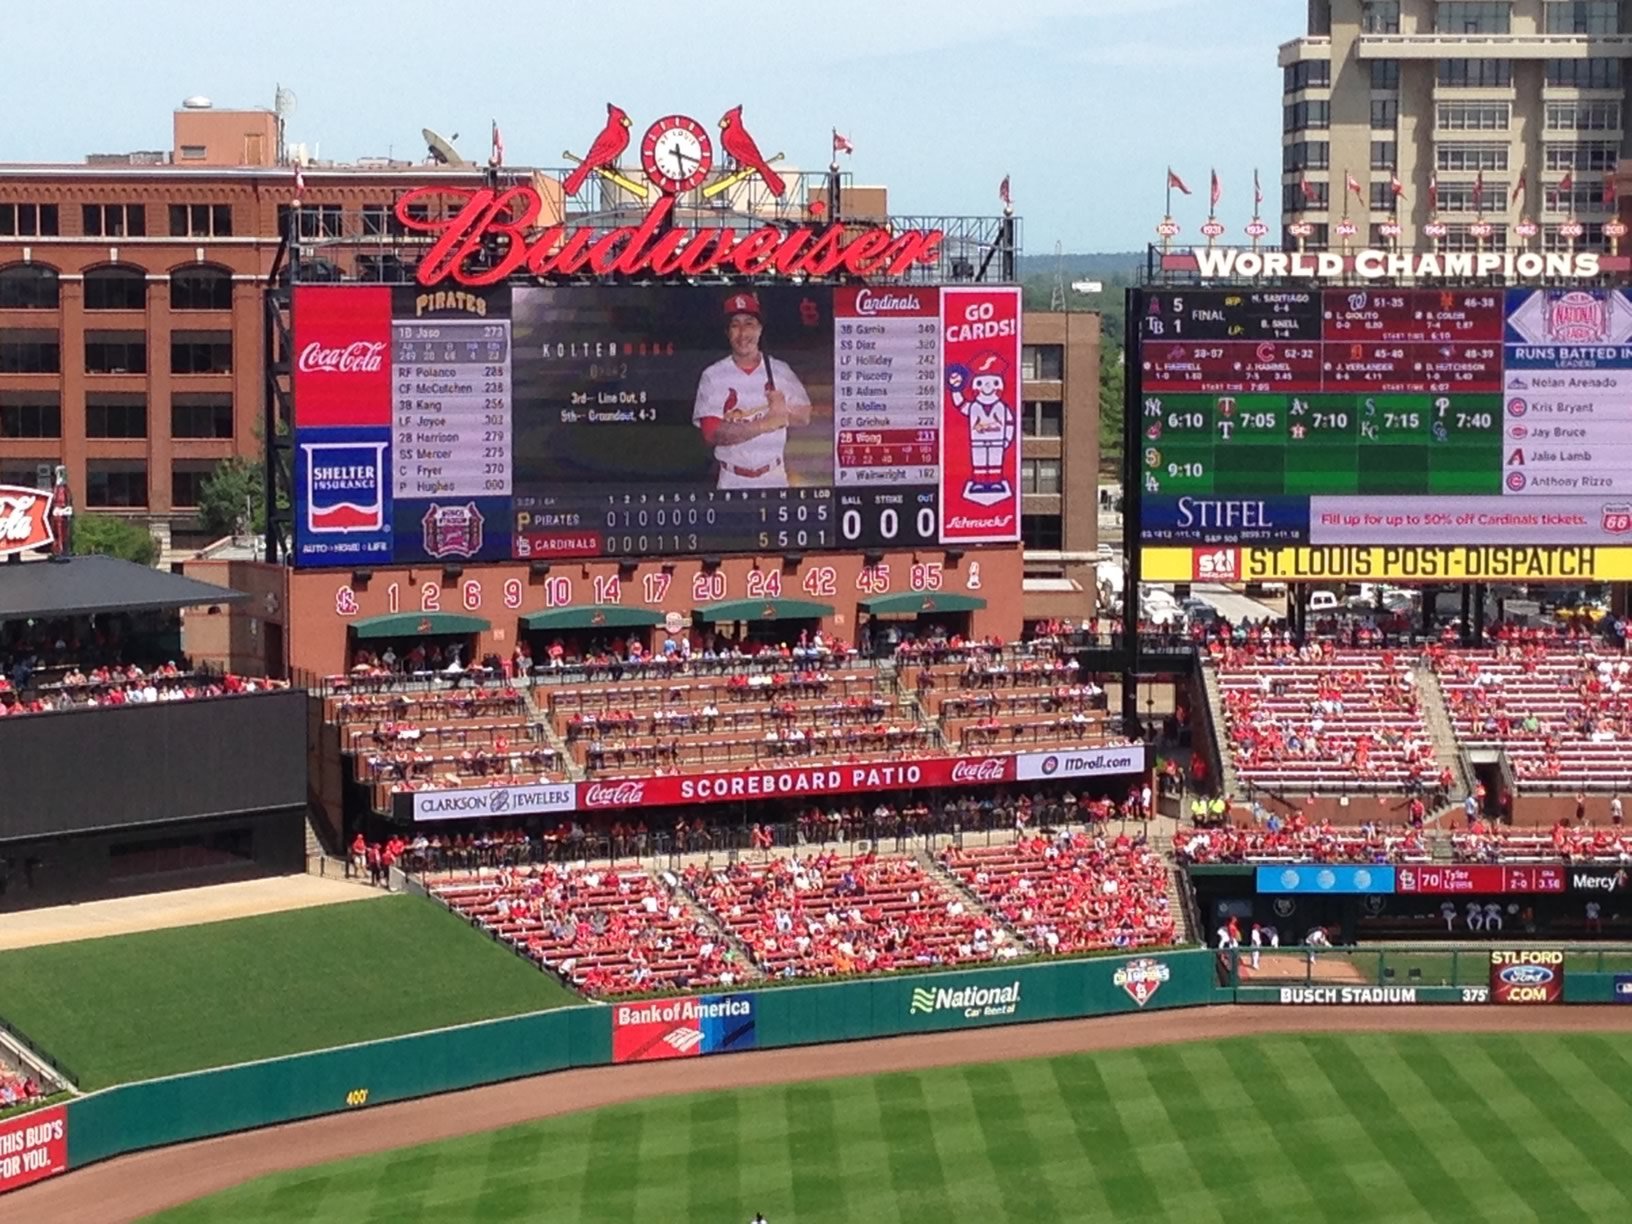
(501, 227)
(1225, 264)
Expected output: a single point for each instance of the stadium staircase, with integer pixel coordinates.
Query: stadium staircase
(937, 870)
(1229, 784)
(1448, 753)
(539, 713)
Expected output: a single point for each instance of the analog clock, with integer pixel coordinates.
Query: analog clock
(676, 154)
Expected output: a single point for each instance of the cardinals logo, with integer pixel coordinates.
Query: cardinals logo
(742, 149)
(602, 158)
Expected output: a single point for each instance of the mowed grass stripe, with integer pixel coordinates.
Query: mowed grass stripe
(1599, 1100)
(401, 1186)
(1162, 1151)
(813, 1149)
(711, 1169)
(1012, 1147)
(916, 1173)
(1104, 1142)
(1290, 1141)
(609, 1179)
(1415, 1154)
(1582, 1154)
(1514, 1159)
(525, 1169)
(1205, 1135)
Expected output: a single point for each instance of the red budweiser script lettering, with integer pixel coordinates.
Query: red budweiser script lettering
(24, 523)
(359, 357)
(618, 794)
(508, 220)
(990, 770)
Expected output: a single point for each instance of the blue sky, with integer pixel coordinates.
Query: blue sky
(1083, 102)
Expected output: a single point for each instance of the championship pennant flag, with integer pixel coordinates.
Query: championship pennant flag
(1174, 182)
(1216, 192)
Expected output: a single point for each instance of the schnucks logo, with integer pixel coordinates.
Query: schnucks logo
(1142, 978)
(975, 1002)
(345, 486)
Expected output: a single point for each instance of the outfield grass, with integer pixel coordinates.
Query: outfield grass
(130, 1007)
(1340, 1128)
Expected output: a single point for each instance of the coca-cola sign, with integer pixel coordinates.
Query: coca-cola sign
(360, 356)
(615, 794)
(25, 520)
(991, 769)
(482, 236)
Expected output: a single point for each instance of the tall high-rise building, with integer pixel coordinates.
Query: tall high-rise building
(1477, 116)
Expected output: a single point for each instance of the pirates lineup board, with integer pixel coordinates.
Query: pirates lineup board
(528, 422)
(1327, 417)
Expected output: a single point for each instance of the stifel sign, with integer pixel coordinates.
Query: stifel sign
(502, 226)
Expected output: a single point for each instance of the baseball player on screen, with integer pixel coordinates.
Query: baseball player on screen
(745, 403)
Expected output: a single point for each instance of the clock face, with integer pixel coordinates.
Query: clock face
(676, 154)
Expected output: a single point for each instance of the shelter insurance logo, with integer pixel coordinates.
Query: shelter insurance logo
(345, 486)
(1142, 978)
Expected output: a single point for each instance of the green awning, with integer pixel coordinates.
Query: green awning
(763, 610)
(915, 602)
(591, 616)
(417, 624)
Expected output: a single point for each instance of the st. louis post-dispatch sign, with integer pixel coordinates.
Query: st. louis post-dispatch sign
(1392, 563)
(790, 782)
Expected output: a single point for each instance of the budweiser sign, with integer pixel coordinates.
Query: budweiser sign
(615, 794)
(992, 769)
(483, 236)
(25, 520)
(358, 357)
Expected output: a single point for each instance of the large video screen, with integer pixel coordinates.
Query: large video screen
(1319, 428)
(541, 422)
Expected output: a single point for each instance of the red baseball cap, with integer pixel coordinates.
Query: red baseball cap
(742, 303)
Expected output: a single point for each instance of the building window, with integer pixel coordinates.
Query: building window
(116, 484)
(114, 220)
(115, 352)
(1381, 198)
(1457, 238)
(28, 220)
(1583, 17)
(115, 416)
(115, 289)
(1040, 476)
(1294, 199)
(380, 221)
(1385, 74)
(193, 153)
(1042, 532)
(1601, 155)
(384, 268)
(29, 414)
(1475, 73)
(200, 221)
(1601, 116)
(1385, 114)
(28, 473)
(1473, 17)
(28, 287)
(1384, 153)
(1306, 155)
(1039, 362)
(1307, 74)
(1471, 157)
(1584, 74)
(200, 416)
(1043, 418)
(1308, 116)
(320, 221)
(1585, 195)
(26, 351)
(201, 288)
(1593, 237)
(187, 477)
(1380, 16)
(201, 353)
(1461, 197)
(1474, 116)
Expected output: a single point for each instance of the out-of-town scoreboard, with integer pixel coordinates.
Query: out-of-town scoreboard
(1333, 433)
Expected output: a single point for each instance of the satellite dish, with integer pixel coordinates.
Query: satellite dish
(441, 149)
(196, 102)
(284, 101)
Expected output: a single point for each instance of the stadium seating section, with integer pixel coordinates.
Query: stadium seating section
(73, 689)
(1321, 844)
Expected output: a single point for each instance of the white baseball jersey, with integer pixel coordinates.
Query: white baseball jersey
(727, 392)
(989, 424)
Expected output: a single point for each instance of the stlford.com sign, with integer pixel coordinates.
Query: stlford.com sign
(1231, 265)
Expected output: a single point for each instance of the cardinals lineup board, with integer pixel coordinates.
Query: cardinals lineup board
(534, 422)
(1372, 417)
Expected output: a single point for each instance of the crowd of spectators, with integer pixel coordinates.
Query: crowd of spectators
(1072, 892)
(1566, 841)
(122, 685)
(18, 1088)
(823, 915)
(1296, 841)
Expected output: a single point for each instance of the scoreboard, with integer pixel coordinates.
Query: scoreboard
(1326, 417)
(535, 422)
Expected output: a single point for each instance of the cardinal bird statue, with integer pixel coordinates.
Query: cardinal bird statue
(605, 151)
(740, 145)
